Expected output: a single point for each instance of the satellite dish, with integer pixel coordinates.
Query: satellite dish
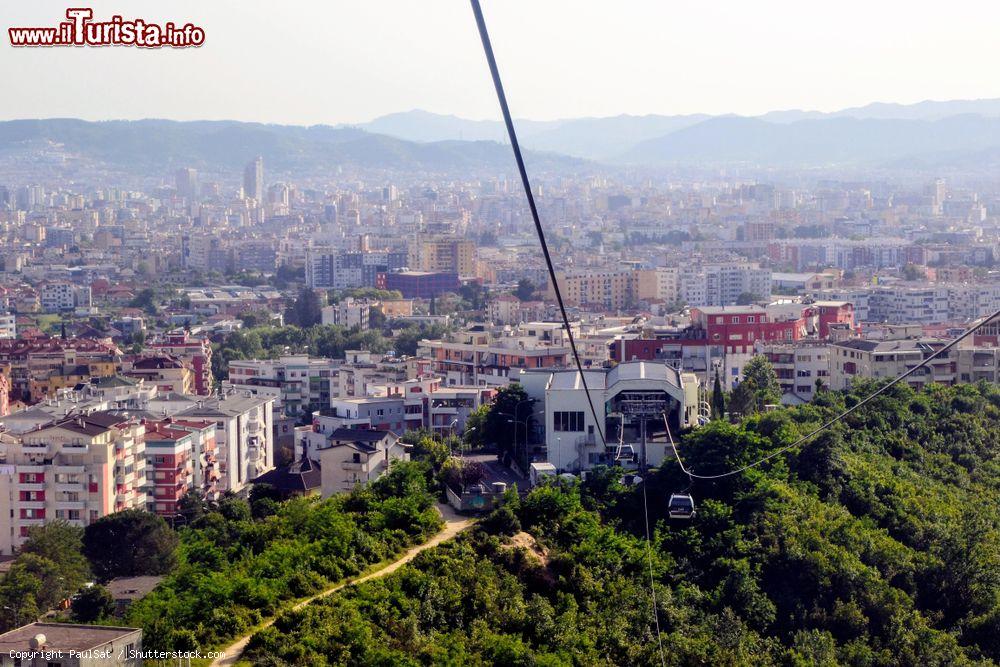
(37, 642)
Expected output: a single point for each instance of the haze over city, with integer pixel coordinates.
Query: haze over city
(349, 62)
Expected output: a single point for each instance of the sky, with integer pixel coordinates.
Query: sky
(348, 61)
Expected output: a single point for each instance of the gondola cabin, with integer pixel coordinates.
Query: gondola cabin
(681, 506)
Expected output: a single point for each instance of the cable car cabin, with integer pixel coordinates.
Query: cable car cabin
(681, 506)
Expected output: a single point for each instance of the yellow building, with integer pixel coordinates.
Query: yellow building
(612, 289)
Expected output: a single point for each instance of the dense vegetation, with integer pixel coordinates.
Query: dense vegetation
(48, 569)
(879, 544)
(235, 570)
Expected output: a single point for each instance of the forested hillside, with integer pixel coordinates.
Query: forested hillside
(876, 545)
(240, 562)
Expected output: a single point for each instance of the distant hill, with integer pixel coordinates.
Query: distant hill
(961, 134)
(592, 138)
(630, 138)
(159, 144)
(819, 142)
(926, 110)
(424, 126)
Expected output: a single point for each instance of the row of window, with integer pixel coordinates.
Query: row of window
(568, 421)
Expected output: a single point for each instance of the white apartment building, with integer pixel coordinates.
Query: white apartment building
(350, 457)
(298, 383)
(8, 326)
(244, 435)
(79, 468)
(708, 284)
(58, 297)
(798, 367)
(925, 304)
(348, 313)
(482, 357)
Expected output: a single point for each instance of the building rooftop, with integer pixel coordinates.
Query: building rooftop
(132, 588)
(602, 378)
(62, 636)
(301, 476)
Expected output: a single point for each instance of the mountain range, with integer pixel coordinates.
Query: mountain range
(154, 145)
(929, 131)
(960, 134)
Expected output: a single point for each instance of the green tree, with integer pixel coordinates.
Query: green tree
(525, 290)
(759, 387)
(92, 603)
(129, 543)
(718, 398)
(431, 451)
(60, 543)
(18, 597)
(146, 300)
(191, 506)
(306, 310)
(505, 421)
(475, 426)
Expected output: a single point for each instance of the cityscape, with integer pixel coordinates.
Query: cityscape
(276, 394)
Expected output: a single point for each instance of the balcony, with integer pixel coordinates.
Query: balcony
(71, 505)
(352, 466)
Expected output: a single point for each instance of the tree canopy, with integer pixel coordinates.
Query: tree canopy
(877, 544)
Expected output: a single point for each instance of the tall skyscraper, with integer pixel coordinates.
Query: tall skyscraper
(187, 183)
(253, 180)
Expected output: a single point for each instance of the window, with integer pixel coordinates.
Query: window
(568, 421)
(736, 319)
(750, 319)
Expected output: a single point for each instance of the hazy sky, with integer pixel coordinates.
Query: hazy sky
(331, 61)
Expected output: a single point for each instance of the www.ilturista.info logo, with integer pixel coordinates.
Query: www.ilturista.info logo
(82, 30)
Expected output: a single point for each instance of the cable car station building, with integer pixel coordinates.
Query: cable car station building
(631, 399)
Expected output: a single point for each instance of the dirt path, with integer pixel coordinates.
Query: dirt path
(454, 524)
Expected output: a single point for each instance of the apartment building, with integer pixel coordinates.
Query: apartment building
(419, 284)
(704, 284)
(244, 435)
(297, 382)
(444, 255)
(611, 289)
(43, 359)
(78, 468)
(363, 373)
(8, 326)
(889, 358)
(799, 367)
(350, 457)
(164, 371)
(60, 297)
(328, 268)
(169, 467)
(349, 313)
(478, 356)
(194, 351)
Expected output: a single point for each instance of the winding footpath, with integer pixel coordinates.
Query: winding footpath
(454, 523)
